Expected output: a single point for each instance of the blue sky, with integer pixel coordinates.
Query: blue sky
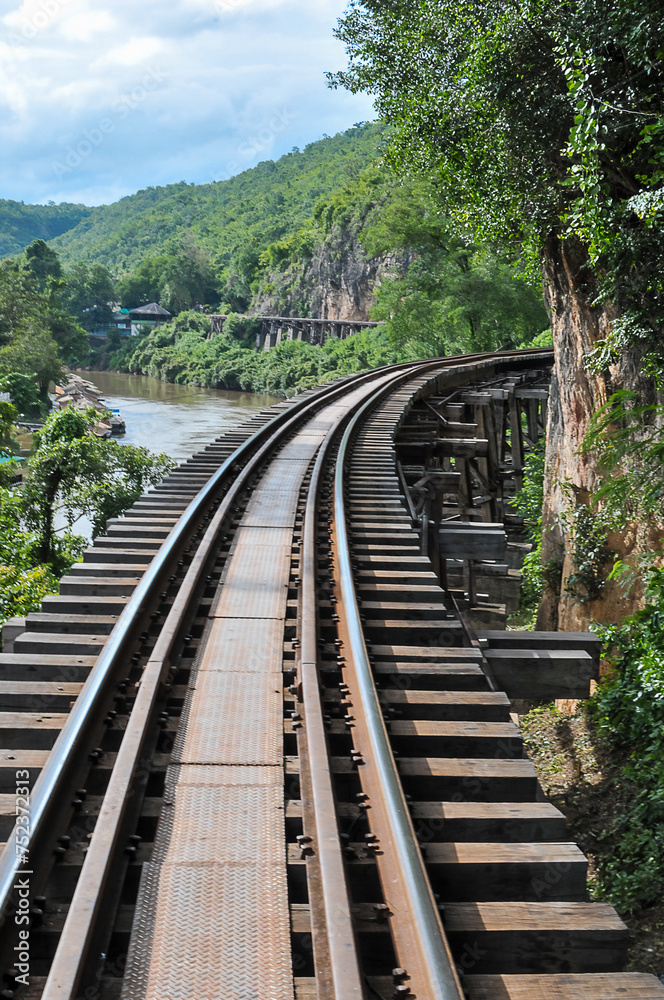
(99, 98)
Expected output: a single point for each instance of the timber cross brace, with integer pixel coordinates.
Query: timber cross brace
(275, 329)
(460, 456)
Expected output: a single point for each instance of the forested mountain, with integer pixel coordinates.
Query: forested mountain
(239, 216)
(21, 224)
(322, 232)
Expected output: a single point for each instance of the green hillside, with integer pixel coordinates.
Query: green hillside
(230, 219)
(21, 224)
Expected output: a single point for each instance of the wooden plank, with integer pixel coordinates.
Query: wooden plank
(543, 674)
(472, 543)
(477, 780)
(440, 737)
(437, 655)
(495, 872)
(485, 706)
(449, 676)
(498, 639)
(510, 937)
(485, 821)
(600, 986)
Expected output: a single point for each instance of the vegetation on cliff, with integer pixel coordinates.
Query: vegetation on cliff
(629, 711)
(544, 129)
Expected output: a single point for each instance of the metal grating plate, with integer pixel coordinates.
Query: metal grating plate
(237, 939)
(256, 584)
(301, 449)
(275, 505)
(233, 824)
(229, 649)
(233, 719)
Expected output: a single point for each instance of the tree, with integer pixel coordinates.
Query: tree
(36, 332)
(72, 341)
(89, 289)
(177, 279)
(73, 470)
(33, 352)
(43, 263)
(543, 125)
(19, 298)
(23, 392)
(448, 295)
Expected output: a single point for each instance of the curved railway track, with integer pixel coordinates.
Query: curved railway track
(257, 745)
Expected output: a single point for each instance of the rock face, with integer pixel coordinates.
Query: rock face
(571, 477)
(338, 282)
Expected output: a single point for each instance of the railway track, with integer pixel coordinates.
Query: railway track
(260, 740)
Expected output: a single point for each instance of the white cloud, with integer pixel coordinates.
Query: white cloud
(82, 27)
(193, 90)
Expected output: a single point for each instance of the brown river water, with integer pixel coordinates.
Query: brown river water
(176, 419)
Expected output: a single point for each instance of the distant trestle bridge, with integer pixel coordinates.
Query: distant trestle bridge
(275, 329)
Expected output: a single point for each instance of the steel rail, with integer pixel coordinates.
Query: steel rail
(69, 964)
(334, 942)
(420, 940)
(71, 739)
(335, 945)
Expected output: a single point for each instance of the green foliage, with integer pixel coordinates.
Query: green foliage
(8, 417)
(629, 710)
(242, 328)
(183, 352)
(528, 502)
(21, 224)
(22, 590)
(88, 290)
(541, 122)
(36, 331)
(44, 264)
(23, 391)
(22, 584)
(628, 441)
(587, 526)
(178, 278)
(33, 352)
(449, 296)
(72, 470)
(75, 473)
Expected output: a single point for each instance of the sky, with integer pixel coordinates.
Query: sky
(100, 98)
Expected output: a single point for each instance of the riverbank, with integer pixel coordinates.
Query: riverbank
(183, 353)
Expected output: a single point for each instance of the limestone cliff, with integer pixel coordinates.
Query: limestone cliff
(337, 281)
(572, 477)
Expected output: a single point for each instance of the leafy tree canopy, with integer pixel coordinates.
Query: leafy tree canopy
(43, 263)
(542, 120)
(449, 295)
(21, 224)
(71, 469)
(87, 292)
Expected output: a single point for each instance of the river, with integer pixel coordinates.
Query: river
(176, 419)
